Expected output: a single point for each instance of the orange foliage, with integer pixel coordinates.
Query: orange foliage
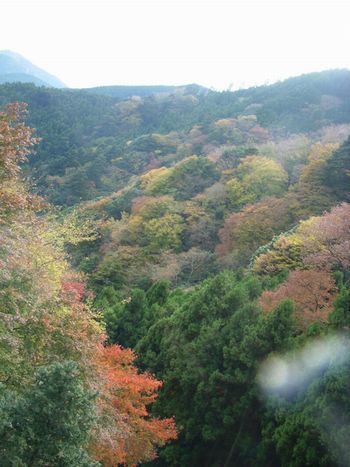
(313, 293)
(141, 201)
(125, 396)
(73, 291)
(252, 227)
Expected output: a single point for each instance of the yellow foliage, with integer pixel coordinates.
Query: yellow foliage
(286, 252)
(72, 228)
(224, 122)
(318, 156)
(135, 226)
(153, 178)
(255, 178)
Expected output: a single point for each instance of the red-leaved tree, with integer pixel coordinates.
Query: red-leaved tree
(125, 394)
(313, 293)
(327, 239)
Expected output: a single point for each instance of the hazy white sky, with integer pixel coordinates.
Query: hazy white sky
(215, 43)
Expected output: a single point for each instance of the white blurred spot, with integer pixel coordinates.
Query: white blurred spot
(293, 372)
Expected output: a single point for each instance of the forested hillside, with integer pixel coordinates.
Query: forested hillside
(177, 258)
(92, 144)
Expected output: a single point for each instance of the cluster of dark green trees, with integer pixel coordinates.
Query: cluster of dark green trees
(49, 424)
(208, 346)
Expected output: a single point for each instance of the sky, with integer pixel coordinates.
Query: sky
(216, 43)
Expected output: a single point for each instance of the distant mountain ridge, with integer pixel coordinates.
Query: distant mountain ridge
(126, 91)
(15, 68)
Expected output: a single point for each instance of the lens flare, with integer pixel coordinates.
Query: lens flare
(292, 372)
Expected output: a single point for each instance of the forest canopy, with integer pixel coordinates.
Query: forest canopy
(174, 276)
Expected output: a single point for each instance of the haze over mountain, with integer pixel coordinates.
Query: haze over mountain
(126, 91)
(15, 68)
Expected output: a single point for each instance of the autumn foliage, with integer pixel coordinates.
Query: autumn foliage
(138, 271)
(313, 293)
(46, 319)
(244, 231)
(327, 239)
(125, 396)
(322, 243)
(16, 139)
(15, 142)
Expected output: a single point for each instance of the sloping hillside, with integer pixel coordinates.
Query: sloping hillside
(209, 233)
(97, 142)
